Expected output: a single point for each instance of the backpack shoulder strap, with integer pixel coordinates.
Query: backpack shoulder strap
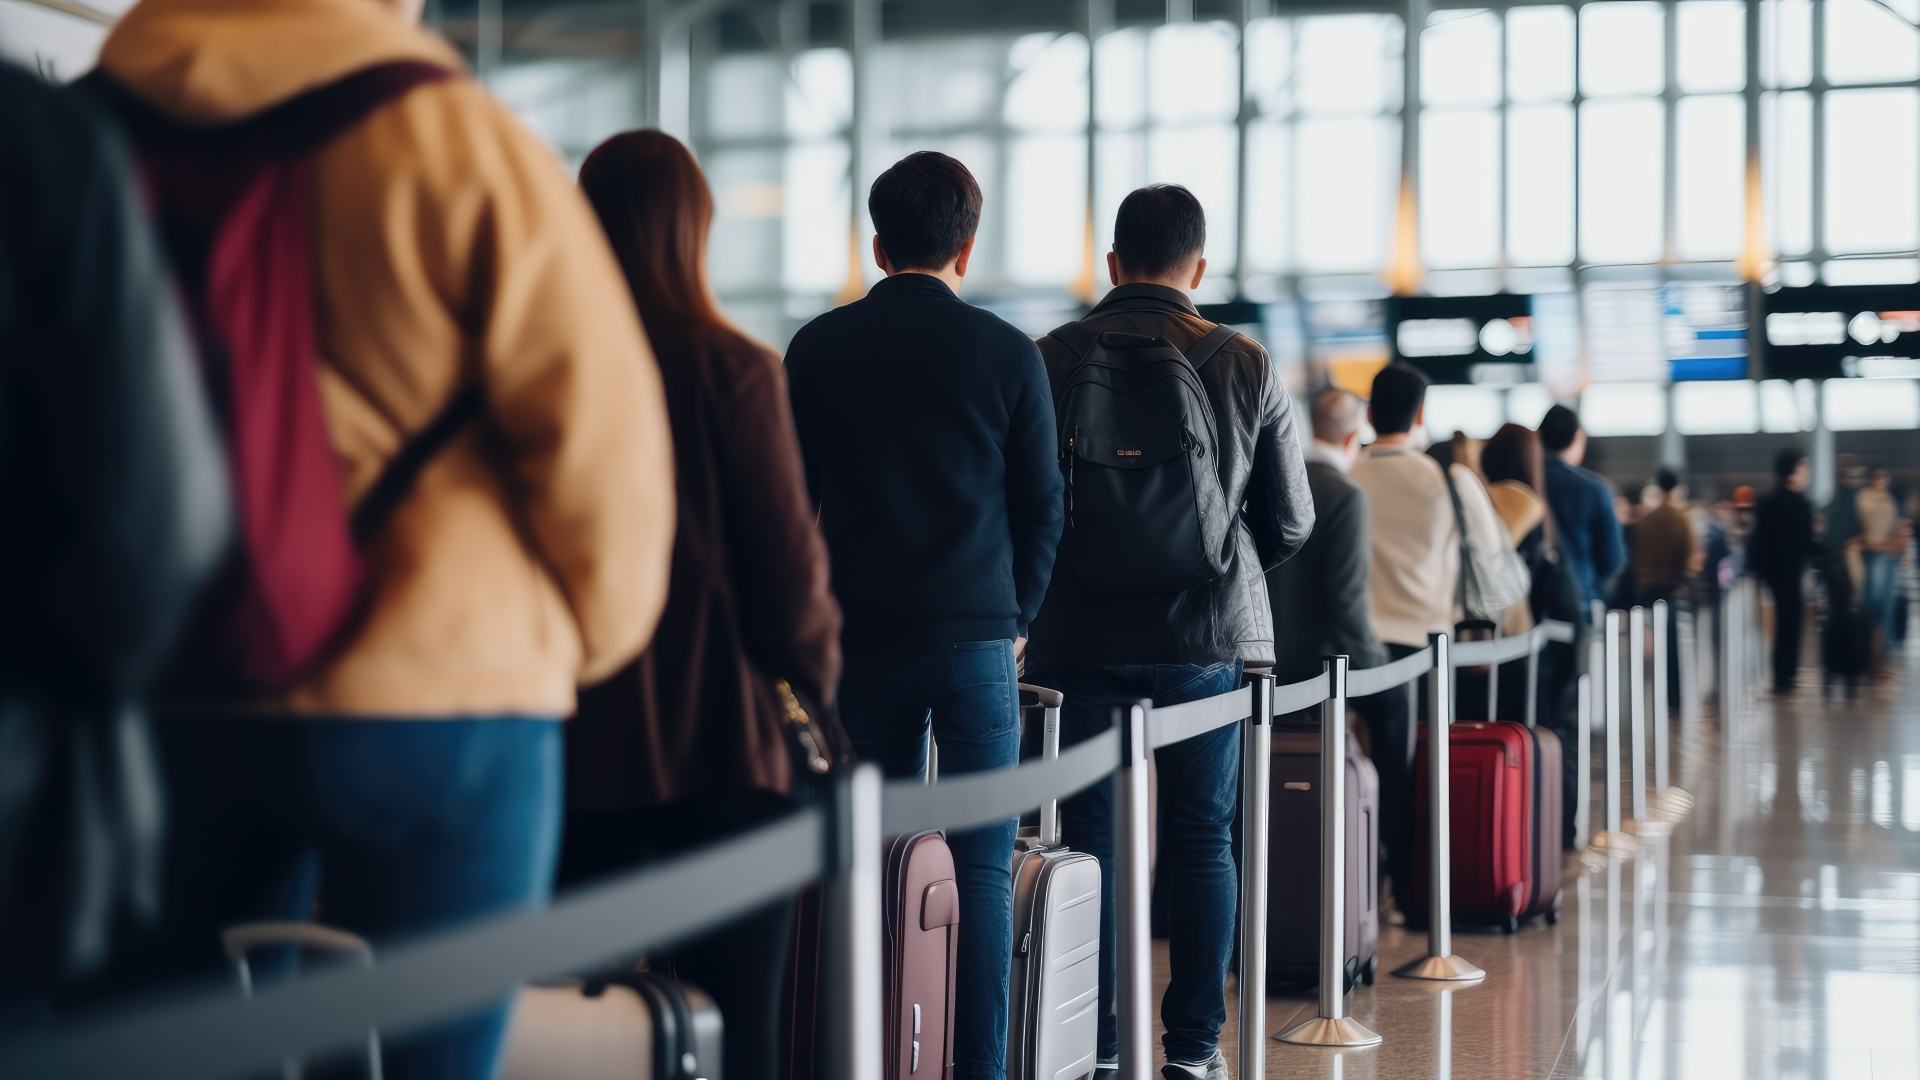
(1204, 349)
(289, 129)
(1078, 337)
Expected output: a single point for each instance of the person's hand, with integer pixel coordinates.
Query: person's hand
(1019, 657)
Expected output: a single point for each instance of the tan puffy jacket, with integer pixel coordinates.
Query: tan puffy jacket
(450, 246)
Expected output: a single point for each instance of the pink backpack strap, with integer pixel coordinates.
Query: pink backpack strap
(236, 205)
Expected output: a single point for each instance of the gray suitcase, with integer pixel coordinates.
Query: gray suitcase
(1054, 991)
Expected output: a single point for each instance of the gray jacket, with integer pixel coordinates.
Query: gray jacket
(1262, 473)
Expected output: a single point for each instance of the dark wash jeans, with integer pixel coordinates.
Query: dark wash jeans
(969, 696)
(1198, 793)
(392, 826)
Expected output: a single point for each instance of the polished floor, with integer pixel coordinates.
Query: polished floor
(1774, 934)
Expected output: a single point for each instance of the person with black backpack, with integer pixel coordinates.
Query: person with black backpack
(1185, 484)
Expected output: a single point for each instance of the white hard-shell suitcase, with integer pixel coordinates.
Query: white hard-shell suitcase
(1054, 992)
(630, 1025)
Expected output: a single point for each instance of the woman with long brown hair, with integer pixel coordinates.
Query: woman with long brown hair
(1514, 463)
(696, 738)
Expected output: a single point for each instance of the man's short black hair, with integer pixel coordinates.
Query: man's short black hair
(924, 209)
(1787, 459)
(1558, 428)
(1159, 228)
(1667, 479)
(1398, 392)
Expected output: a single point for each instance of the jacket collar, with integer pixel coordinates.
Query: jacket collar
(909, 283)
(1143, 294)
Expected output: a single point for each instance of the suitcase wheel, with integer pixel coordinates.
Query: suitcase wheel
(1512, 925)
(1553, 916)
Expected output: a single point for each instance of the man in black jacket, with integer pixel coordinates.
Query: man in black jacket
(927, 431)
(1324, 587)
(1101, 645)
(1781, 544)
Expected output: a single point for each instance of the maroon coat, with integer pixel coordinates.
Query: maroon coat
(748, 601)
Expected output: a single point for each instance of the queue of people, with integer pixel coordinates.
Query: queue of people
(614, 580)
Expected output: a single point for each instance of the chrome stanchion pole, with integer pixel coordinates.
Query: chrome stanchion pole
(1133, 885)
(1668, 802)
(1614, 839)
(1660, 647)
(854, 974)
(1332, 1027)
(1256, 773)
(1440, 963)
(1533, 674)
(1583, 763)
(1637, 709)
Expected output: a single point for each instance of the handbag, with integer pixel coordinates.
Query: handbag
(819, 744)
(1492, 577)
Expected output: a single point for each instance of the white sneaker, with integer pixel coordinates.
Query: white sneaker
(1214, 1068)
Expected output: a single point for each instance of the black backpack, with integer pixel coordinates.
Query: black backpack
(1140, 453)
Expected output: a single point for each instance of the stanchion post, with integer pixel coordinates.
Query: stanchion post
(854, 973)
(1637, 685)
(1256, 774)
(1538, 643)
(1660, 646)
(1134, 885)
(1614, 840)
(1583, 763)
(1440, 963)
(1332, 1027)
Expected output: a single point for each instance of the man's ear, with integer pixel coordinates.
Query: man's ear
(1199, 271)
(1113, 268)
(1419, 415)
(966, 253)
(880, 256)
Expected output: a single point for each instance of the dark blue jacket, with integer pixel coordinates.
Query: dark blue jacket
(1590, 538)
(927, 428)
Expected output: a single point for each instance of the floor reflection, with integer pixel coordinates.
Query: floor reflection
(1775, 934)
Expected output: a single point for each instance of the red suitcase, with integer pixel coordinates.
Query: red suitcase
(1293, 863)
(1492, 835)
(922, 923)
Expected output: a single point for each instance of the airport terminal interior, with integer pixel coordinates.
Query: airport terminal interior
(1693, 223)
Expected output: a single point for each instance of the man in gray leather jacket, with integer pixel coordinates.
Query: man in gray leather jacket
(1106, 649)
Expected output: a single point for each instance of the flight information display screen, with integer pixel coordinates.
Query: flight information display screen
(1842, 332)
(1465, 339)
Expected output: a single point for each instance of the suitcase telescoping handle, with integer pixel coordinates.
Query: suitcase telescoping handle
(1049, 702)
(238, 941)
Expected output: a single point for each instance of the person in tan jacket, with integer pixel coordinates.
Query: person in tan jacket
(412, 777)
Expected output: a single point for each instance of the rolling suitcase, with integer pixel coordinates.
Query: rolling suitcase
(1054, 988)
(635, 1025)
(922, 917)
(1492, 811)
(1293, 861)
(1547, 776)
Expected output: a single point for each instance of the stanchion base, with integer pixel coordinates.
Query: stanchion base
(1671, 804)
(1615, 843)
(1320, 1031)
(1442, 969)
(1648, 827)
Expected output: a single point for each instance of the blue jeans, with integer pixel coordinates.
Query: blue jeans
(1199, 792)
(390, 826)
(1882, 584)
(970, 695)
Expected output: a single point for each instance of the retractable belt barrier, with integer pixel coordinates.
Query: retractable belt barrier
(210, 1031)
